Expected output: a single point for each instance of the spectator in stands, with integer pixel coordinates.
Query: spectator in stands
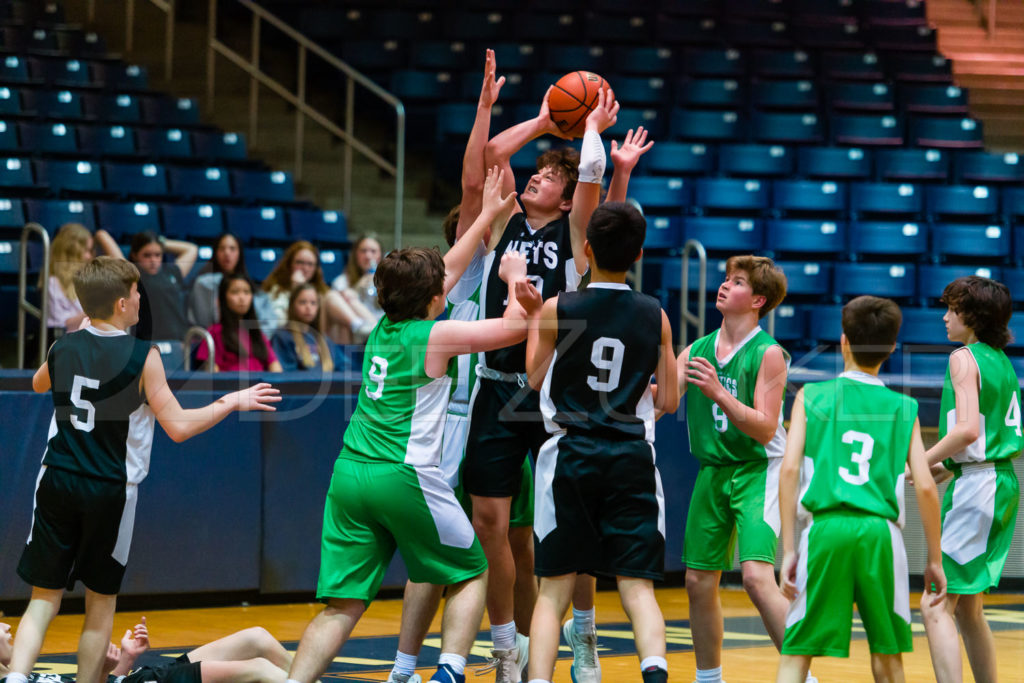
(238, 341)
(227, 258)
(72, 248)
(162, 286)
(356, 284)
(300, 344)
(299, 265)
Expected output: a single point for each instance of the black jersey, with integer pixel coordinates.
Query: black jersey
(102, 426)
(550, 267)
(607, 349)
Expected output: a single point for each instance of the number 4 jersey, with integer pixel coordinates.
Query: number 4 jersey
(102, 426)
(599, 380)
(855, 454)
(401, 411)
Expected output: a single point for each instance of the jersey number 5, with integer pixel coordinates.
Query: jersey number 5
(613, 365)
(378, 371)
(1013, 414)
(861, 457)
(89, 422)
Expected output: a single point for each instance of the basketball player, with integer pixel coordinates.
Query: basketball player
(979, 435)
(850, 442)
(599, 505)
(107, 387)
(734, 421)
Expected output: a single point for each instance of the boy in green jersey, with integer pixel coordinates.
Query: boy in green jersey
(979, 435)
(850, 440)
(734, 422)
(387, 491)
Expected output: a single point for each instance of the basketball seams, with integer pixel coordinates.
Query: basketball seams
(560, 104)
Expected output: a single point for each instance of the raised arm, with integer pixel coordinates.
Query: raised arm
(761, 420)
(473, 166)
(963, 373)
(592, 161)
(624, 159)
(108, 244)
(666, 398)
(185, 254)
(928, 504)
(540, 343)
(789, 487)
(181, 424)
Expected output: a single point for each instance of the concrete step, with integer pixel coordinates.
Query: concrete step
(1004, 127)
(994, 112)
(989, 81)
(987, 97)
(990, 67)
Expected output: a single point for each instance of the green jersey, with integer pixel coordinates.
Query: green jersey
(858, 438)
(714, 440)
(401, 411)
(999, 430)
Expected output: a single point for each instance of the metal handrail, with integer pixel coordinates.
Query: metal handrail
(305, 46)
(686, 317)
(168, 8)
(196, 332)
(24, 306)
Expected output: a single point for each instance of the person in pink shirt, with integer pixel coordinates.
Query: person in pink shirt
(238, 342)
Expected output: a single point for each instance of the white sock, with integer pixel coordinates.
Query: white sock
(405, 665)
(456, 662)
(659, 662)
(16, 678)
(503, 636)
(583, 621)
(538, 680)
(709, 675)
(292, 680)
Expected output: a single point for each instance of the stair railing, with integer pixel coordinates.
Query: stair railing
(25, 307)
(686, 316)
(196, 333)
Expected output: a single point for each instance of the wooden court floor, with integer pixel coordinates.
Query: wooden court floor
(749, 656)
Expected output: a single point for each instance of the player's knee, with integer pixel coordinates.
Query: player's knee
(700, 581)
(756, 581)
(259, 637)
(969, 609)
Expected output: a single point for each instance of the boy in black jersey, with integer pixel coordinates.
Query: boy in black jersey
(599, 503)
(107, 387)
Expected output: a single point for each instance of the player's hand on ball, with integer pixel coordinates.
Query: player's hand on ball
(606, 112)
(547, 125)
(528, 297)
(259, 397)
(512, 267)
(787, 576)
(633, 147)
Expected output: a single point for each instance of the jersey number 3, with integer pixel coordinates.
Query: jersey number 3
(89, 422)
(613, 365)
(861, 457)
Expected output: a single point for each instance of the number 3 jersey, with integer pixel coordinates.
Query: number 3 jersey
(102, 426)
(401, 411)
(714, 440)
(855, 454)
(599, 379)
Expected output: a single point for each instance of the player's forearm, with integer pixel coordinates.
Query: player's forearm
(474, 170)
(509, 141)
(756, 424)
(618, 185)
(928, 505)
(789, 483)
(187, 423)
(124, 665)
(956, 440)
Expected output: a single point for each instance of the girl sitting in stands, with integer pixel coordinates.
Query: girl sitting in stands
(162, 285)
(300, 344)
(238, 342)
(227, 258)
(72, 247)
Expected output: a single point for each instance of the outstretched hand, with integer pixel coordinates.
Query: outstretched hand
(628, 154)
(258, 397)
(606, 113)
(111, 657)
(136, 641)
(491, 87)
(512, 267)
(493, 202)
(528, 297)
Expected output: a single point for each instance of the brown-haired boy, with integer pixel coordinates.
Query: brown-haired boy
(107, 387)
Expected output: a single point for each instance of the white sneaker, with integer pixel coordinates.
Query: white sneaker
(505, 664)
(810, 679)
(586, 668)
(402, 678)
(523, 645)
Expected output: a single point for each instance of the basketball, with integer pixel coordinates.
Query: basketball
(572, 98)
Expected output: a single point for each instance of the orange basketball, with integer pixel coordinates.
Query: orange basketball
(573, 97)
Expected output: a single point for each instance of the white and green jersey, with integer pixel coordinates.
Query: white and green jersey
(999, 429)
(464, 304)
(401, 411)
(713, 439)
(858, 437)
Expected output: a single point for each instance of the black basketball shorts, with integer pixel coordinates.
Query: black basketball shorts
(181, 670)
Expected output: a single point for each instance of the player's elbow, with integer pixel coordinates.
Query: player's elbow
(174, 432)
(667, 402)
(969, 434)
(493, 153)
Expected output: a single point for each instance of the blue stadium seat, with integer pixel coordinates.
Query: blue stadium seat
(934, 99)
(775, 127)
(720, 93)
(256, 223)
(973, 241)
(825, 11)
(790, 323)
(711, 62)
(440, 55)
(41, 41)
(65, 177)
(824, 323)
(834, 163)
(53, 138)
(755, 161)
(524, 162)
(219, 146)
(108, 141)
(53, 213)
(16, 173)
(734, 235)
(922, 326)
(164, 143)
(691, 124)
(921, 68)
(685, 31)
(332, 263)
(10, 101)
(1013, 278)
(1013, 202)
(9, 137)
(962, 133)
(802, 236)
(10, 258)
(912, 164)
(423, 86)
(679, 158)
(260, 261)
(929, 361)
(979, 201)
(672, 275)
(14, 69)
(54, 104)
(663, 232)
(893, 280)
(545, 27)
(12, 213)
(327, 227)
(202, 221)
(809, 196)
(785, 94)
(886, 198)
(562, 58)
(856, 66)
(631, 118)
(867, 130)
(374, 55)
(822, 362)
(731, 194)
(640, 91)
(75, 73)
(782, 64)
(891, 13)
(122, 219)
(861, 97)
(774, 34)
(807, 278)
(143, 180)
(189, 182)
(123, 77)
(516, 89)
(932, 280)
(517, 57)
(984, 168)
(263, 186)
(809, 33)
(1018, 248)
(114, 108)
(642, 60)
(655, 193)
(887, 238)
(919, 38)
